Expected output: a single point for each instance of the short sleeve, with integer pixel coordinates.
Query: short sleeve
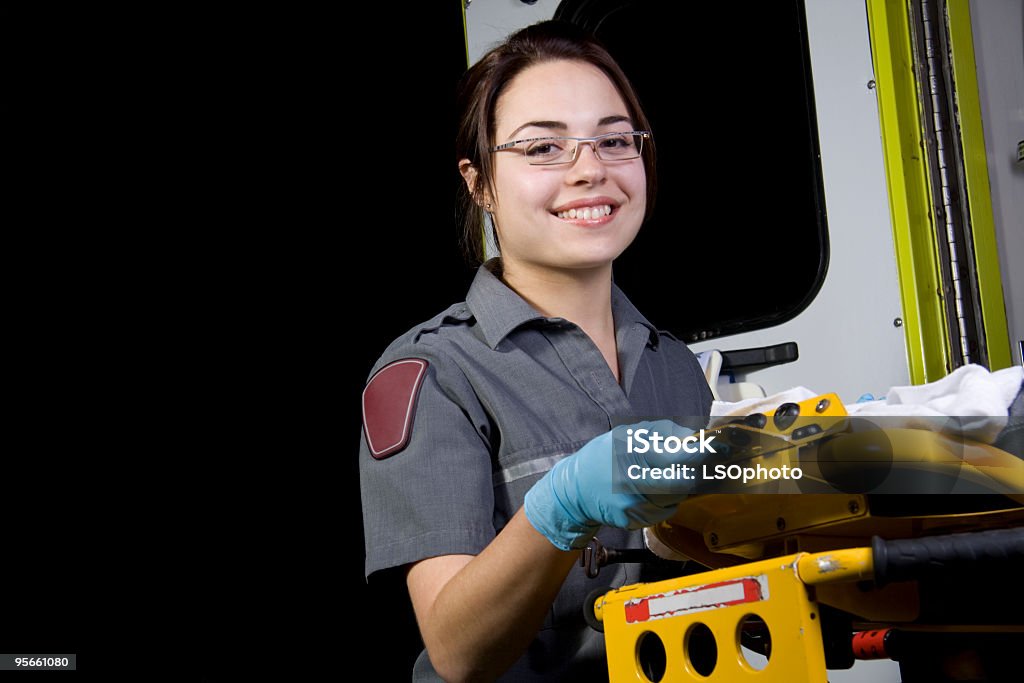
(426, 480)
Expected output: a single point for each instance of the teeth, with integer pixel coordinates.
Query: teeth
(586, 213)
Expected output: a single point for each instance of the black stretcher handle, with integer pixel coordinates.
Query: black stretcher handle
(910, 558)
(597, 555)
(749, 360)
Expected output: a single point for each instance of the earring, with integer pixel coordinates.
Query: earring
(487, 206)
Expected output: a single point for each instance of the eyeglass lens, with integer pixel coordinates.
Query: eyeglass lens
(563, 150)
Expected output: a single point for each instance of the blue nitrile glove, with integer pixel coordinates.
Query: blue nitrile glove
(578, 496)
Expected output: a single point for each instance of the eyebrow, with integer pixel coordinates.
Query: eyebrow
(560, 126)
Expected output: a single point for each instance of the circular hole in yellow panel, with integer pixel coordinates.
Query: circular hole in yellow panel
(755, 641)
(701, 649)
(650, 656)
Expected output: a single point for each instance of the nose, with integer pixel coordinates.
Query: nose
(587, 168)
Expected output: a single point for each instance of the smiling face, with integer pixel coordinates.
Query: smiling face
(571, 216)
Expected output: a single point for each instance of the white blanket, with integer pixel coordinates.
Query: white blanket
(980, 398)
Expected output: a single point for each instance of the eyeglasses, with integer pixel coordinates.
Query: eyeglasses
(562, 150)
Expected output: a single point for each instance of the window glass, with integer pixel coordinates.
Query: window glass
(738, 240)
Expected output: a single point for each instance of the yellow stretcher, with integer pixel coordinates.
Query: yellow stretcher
(798, 583)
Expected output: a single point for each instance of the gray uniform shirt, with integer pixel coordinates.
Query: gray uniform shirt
(504, 394)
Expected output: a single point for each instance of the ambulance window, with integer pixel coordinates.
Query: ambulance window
(738, 240)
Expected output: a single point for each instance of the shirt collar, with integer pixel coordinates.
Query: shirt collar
(626, 316)
(499, 310)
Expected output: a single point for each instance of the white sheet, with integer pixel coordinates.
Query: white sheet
(981, 398)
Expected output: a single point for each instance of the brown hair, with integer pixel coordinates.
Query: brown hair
(484, 83)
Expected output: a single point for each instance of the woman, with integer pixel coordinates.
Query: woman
(486, 460)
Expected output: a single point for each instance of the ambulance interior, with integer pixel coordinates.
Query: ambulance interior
(840, 210)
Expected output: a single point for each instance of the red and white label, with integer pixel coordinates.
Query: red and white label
(697, 599)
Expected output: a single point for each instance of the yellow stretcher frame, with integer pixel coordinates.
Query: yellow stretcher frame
(739, 537)
(722, 601)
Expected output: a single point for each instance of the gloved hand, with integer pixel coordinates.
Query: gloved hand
(591, 488)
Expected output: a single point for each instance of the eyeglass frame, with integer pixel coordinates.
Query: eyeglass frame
(644, 135)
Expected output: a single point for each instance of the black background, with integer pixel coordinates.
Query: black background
(350, 221)
(360, 245)
(203, 209)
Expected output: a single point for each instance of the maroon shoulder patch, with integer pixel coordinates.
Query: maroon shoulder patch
(389, 402)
